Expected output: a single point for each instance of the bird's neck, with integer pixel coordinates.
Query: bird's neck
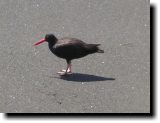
(51, 44)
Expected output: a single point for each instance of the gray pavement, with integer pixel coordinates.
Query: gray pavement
(114, 82)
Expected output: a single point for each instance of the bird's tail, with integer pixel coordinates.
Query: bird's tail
(100, 51)
(93, 48)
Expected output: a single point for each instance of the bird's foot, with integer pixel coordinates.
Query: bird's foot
(68, 71)
(63, 72)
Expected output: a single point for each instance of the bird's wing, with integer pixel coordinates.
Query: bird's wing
(69, 42)
(70, 48)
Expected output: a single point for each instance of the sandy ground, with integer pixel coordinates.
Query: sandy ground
(114, 82)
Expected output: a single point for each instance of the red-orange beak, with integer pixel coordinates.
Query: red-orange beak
(39, 42)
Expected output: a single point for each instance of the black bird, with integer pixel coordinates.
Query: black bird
(69, 49)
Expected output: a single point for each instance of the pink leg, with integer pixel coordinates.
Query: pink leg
(69, 68)
(67, 71)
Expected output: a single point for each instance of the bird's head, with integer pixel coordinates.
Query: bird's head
(50, 38)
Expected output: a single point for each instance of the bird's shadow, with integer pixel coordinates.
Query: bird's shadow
(79, 77)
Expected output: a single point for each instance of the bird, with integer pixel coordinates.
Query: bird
(69, 48)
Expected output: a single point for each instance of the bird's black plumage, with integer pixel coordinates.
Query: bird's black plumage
(70, 48)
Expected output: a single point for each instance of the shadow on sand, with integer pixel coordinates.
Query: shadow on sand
(79, 77)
